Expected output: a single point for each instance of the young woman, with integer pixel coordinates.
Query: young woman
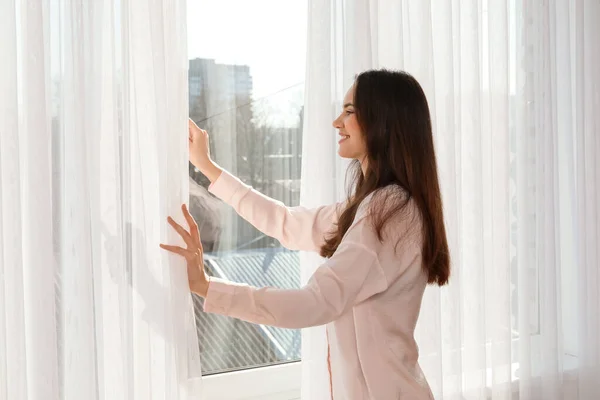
(383, 245)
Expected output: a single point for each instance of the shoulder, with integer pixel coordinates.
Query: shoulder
(393, 212)
(385, 199)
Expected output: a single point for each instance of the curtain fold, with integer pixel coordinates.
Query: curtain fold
(93, 157)
(513, 93)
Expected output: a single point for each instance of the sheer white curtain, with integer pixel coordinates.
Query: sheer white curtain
(93, 157)
(513, 90)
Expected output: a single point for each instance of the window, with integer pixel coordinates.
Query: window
(246, 72)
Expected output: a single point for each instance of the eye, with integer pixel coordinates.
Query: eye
(348, 112)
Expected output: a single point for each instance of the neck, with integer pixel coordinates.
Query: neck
(363, 165)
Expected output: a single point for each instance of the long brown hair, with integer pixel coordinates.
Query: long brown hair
(393, 114)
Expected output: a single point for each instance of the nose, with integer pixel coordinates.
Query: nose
(337, 123)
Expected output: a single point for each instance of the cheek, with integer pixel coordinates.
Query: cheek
(354, 129)
(352, 126)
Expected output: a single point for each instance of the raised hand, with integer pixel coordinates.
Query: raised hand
(199, 147)
(200, 152)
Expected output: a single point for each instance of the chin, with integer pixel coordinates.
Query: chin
(344, 154)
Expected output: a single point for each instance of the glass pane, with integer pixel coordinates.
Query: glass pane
(246, 73)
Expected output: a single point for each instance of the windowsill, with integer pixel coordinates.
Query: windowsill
(278, 382)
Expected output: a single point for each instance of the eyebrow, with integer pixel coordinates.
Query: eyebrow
(348, 105)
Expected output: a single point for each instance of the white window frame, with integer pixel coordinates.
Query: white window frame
(276, 382)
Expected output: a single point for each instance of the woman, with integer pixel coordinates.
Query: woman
(383, 244)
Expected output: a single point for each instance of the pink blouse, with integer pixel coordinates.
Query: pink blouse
(368, 293)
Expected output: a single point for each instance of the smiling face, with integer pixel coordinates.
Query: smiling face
(351, 139)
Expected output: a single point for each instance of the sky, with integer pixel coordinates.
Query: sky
(267, 35)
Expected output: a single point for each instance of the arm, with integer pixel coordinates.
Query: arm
(351, 276)
(297, 228)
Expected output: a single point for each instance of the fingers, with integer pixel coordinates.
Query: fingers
(191, 238)
(193, 226)
(194, 131)
(187, 238)
(178, 250)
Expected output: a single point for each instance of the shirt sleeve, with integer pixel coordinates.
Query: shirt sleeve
(350, 276)
(297, 228)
